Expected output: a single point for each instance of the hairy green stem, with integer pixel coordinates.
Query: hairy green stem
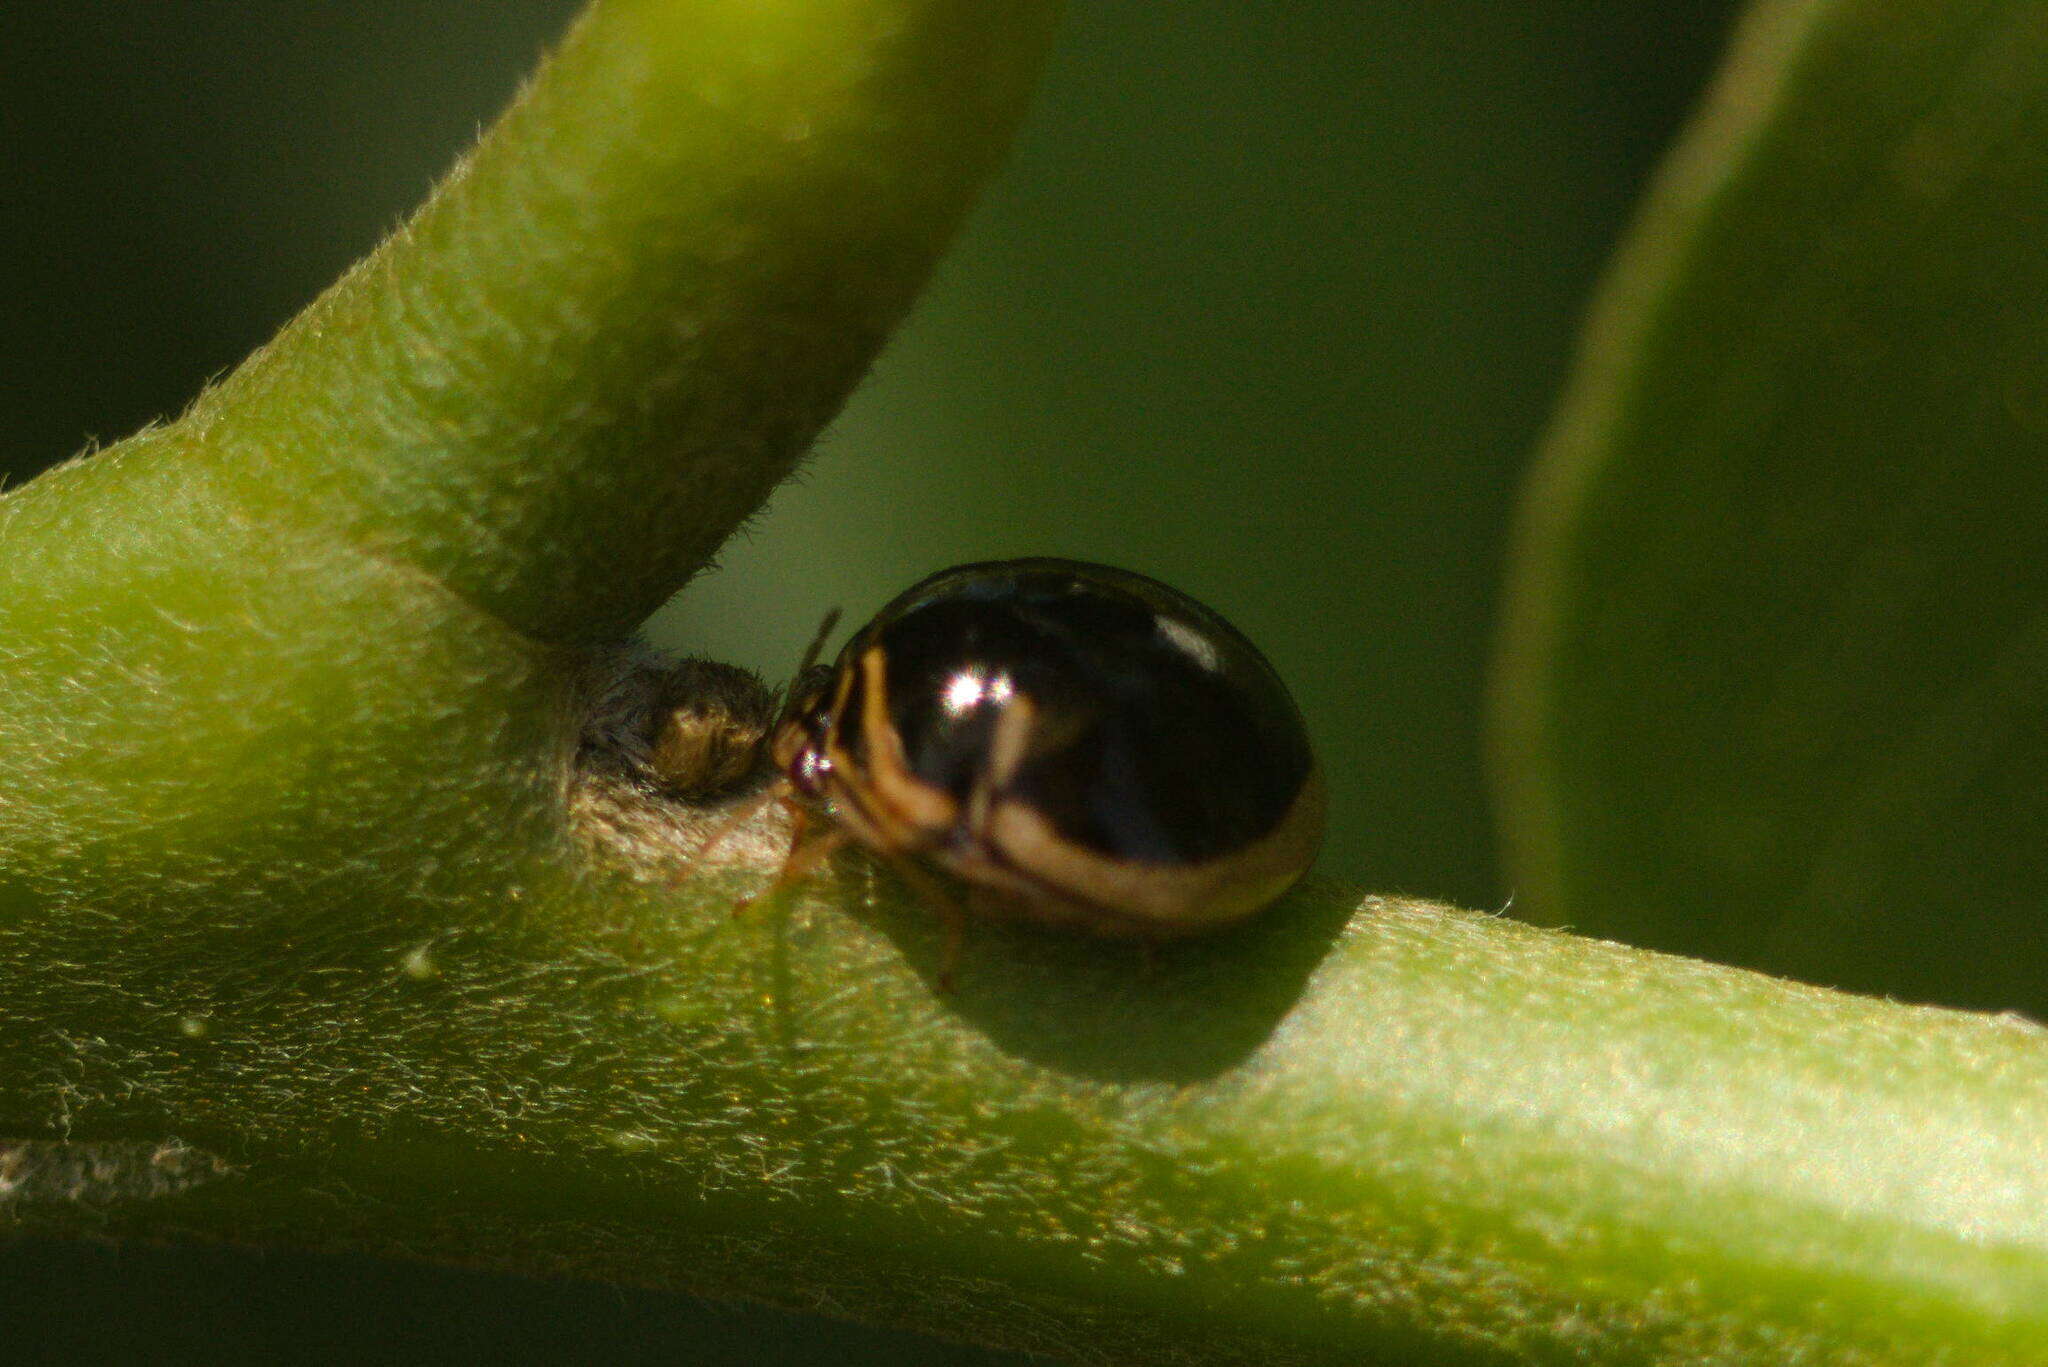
(625, 315)
(302, 943)
(1401, 1133)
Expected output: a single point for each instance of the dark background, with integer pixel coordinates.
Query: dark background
(1271, 304)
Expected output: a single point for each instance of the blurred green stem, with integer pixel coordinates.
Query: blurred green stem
(301, 944)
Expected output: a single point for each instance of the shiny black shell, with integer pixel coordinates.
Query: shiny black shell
(1157, 738)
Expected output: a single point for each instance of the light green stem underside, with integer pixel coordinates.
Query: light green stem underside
(1465, 1139)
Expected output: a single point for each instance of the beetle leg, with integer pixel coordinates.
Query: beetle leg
(778, 791)
(941, 904)
(1006, 752)
(806, 853)
(955, 923)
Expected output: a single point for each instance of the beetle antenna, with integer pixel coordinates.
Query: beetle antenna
(811, 653)
(817, 645)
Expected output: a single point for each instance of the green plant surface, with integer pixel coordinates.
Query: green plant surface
(1771, 691)
(307, 939)
(1445, 1137)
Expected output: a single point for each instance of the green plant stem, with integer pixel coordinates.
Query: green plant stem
(300, 945)
(1465, 1140)
(627, 313)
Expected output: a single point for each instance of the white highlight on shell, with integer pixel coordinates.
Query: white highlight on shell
(970, 688)
(1190, 644)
